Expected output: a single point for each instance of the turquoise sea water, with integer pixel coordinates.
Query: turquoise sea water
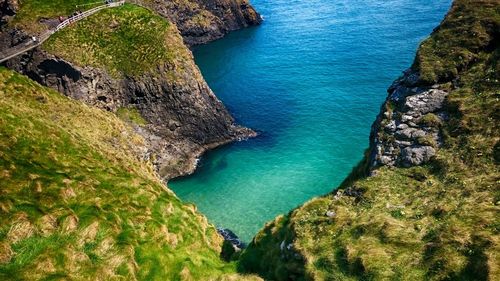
(311, 80)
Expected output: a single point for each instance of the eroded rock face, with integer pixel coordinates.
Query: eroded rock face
(202, 21)
(183, 116)
(407, 130)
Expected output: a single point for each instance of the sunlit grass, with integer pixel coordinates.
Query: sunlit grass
(128, 40)
(76, 203)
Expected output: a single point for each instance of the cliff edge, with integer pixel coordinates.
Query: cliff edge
(424, 202)
(107, 109)
(78, 202)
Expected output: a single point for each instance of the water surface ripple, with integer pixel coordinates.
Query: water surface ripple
(311, 79)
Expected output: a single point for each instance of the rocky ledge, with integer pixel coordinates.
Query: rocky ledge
(407, 130)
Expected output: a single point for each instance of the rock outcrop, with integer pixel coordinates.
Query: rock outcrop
(201, 21)
(8, 9)
(385, 222)
(406, 132)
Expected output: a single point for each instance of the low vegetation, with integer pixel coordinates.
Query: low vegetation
(434, 222)
(77, 203)
(128, 40)
(31, 13)
(131, 115)
(468, 30)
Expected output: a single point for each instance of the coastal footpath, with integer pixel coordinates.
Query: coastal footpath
(92, 124)
(424, 202)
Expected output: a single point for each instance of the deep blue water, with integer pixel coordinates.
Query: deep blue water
(311, 79)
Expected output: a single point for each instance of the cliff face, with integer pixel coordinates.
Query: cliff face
(407, 131)
(423, 204)
(203, 21)
(158, 79)
(183, 117)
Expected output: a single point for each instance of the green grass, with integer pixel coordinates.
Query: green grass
(468, 30)
(125, 41)
(128, 40)
(76, 203)
(434, 222)
(31, 12)
(130, 114)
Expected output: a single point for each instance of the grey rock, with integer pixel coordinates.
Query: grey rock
(403, 143)
(396, 142)
(410, 133)
(425, 102)
(331, 214)
(402, 126)
(416, 155)
(391, 126)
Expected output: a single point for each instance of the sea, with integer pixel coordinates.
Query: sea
(310, 80)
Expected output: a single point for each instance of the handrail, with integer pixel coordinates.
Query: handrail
(18, 50)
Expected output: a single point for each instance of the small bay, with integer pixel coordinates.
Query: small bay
(310, 80)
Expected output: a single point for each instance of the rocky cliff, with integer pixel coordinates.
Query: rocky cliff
(201, 21)
(407, 131)
(423, 204)
(80, 195)
(158, 79)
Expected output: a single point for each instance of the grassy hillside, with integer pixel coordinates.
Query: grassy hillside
(439, 221)
(77, 203)
(126, 40)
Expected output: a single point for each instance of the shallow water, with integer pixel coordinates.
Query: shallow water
(311, 80)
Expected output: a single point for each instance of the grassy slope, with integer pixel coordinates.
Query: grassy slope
(74, 200)
(32, 11)
(127, 40)
(435, 222)
(76, 203)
